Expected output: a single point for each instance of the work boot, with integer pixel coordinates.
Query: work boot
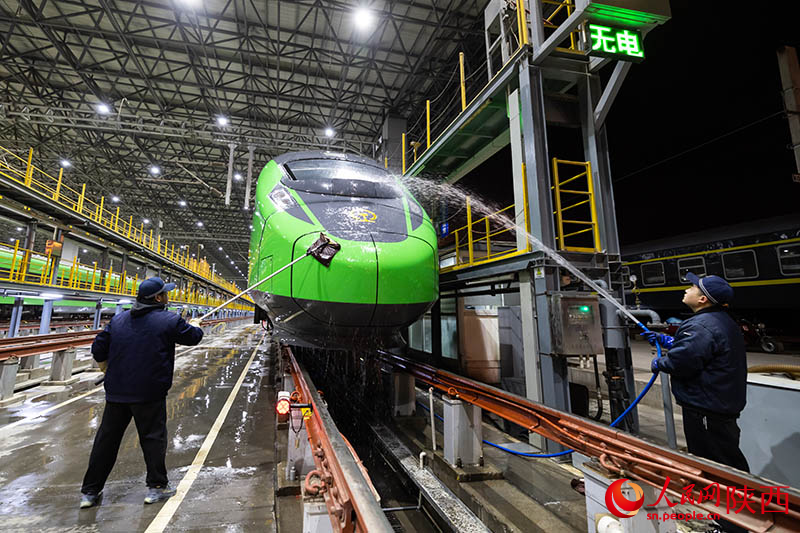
(157, 494)
(90, 500)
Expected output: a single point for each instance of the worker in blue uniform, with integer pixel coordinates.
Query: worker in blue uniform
(136, 350)
(708, 364)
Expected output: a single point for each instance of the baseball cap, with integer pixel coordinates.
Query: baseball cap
(151, 287)
(717, 290)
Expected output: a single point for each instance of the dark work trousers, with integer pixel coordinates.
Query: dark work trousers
(151, 423)
(715, 437)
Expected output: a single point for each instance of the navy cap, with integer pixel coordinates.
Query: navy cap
(717, 290)
(152, 287)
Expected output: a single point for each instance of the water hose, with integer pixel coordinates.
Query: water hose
(775, 369)
(613, 424)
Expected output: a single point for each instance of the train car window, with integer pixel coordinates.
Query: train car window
(695, 265)
(653, 274)
(340, 178)
(789, 259)
(740, 265)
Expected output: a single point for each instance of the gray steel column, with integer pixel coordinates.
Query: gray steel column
(250, 150)
(124, 265)
(230, 174)
(554, 391)
(436, 330)
(98, 309)
(16, 317)
(30, 235)
(47, 315)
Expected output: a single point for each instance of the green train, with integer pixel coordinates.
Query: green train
(386, 274)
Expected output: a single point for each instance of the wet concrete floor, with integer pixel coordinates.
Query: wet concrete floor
(44, 449)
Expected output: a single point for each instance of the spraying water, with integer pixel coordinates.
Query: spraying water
(428, 188)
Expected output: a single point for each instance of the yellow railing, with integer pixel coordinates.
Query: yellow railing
(580, 194)
(563, 10)
(20, 265)
(54, 189)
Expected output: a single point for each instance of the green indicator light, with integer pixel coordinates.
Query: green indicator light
(585, 309)
(621, 43)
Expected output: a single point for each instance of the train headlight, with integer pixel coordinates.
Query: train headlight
(282, 199)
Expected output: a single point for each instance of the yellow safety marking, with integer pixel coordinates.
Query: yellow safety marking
(306, 413)
(162, 519)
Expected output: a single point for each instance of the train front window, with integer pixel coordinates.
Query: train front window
(340, 178)
(695, 265)
(740, 265)
(789, 259)
(653, 274)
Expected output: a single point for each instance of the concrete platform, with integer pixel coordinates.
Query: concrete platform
(45, 444)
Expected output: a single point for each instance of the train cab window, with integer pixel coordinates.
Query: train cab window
(340, 178)
(653, 274)
(695, 265)
(789, 259)
(740, 265)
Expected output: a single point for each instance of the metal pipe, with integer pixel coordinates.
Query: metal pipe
(654, 317)
(669, 417)
(433, 420)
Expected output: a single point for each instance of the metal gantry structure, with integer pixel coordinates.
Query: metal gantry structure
(195, 88)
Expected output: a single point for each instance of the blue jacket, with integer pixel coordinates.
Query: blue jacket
(139, 346)
(708, 363)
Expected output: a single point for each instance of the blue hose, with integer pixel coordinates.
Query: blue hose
(565, 452)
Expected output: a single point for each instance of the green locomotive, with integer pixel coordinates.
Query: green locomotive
(384, 277)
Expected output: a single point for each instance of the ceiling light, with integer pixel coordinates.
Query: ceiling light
(237, 176)
(19, 229)
(220, 248)
(199, 224)
(85, 251)
(329, 132)
(103, 109)
(182, 203)
(146, 220)
(222, 120)
(115, 199)
(251, 226)
(51, 295)
(154, 170)
(65, 163)
(363, 18)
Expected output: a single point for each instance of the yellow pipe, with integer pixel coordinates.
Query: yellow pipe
(404, 153)
(58, 184)
(469, 230)
(488, 240)
(428, 113)
(385, 162)
(29, 169)
(463, 86)
(521, 5)
(519, 24)
(589, 180)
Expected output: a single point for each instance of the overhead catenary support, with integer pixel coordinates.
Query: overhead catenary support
(232, 147)
(250, 150)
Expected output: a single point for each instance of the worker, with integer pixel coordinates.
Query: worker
(136, 350)
(708, 365)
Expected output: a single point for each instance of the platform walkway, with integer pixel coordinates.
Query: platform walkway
(45, 444)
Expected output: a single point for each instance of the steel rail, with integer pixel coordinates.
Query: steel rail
(63, 341)
(348, 494)
(32, 339)
(625, 454)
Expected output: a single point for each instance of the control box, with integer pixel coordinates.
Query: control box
(575, 323)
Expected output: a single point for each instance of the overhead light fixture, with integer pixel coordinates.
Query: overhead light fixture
(222, 120)
(155, 170)
(237, 176)
(85, 251)
(363, 18)
(329, 132)
(145, 220)
(182, 203)
(220, 248)
(65, 163)
(199, 224)
(51, 296)
(103, 109)
(19, 229)
(115, 199)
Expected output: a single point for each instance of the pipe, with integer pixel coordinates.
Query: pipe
(422, 456)
(433, 425)
(655, 319)
(774, 369)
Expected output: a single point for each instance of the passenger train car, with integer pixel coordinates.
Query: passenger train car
(384, 277)
(761, 260)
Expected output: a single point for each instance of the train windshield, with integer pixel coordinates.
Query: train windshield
(340, 178)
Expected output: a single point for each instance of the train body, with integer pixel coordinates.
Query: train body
(384, 277)
(761, 260)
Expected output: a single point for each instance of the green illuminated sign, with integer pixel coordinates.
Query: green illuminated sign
(585, 309)
(619, 43)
